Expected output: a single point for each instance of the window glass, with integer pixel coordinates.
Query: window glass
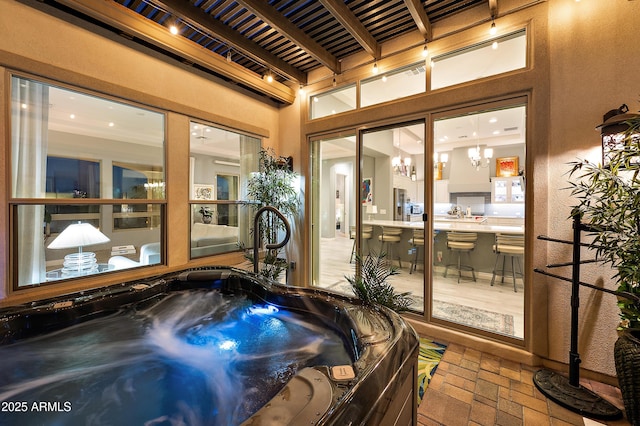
(393, 85)
(72, 150)
(495, 56)
(334, 102)
(221, 162)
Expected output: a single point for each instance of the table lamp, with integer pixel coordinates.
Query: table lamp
(79, 235)
(371, 210)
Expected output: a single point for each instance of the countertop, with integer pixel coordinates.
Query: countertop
(470, 225)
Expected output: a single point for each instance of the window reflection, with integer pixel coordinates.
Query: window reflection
(72, 150)
(493, 57)
(221, 162)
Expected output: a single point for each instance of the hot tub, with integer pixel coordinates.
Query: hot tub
(207, 346)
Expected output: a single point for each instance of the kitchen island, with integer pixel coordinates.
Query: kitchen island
(483, 258)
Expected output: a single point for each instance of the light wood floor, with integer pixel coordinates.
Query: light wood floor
(335, 265)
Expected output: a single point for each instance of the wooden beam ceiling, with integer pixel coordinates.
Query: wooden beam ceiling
(352, 24)
(493, 7)
(200, 19)
(277, 21)
(420, 17)
(132, 23)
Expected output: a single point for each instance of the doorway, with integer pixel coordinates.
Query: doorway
(478, 213)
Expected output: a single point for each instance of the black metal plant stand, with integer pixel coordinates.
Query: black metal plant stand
(568, 392)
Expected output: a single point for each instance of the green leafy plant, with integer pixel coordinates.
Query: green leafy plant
(609, 201)
(205, 211)
(371, 284)
(273, 185)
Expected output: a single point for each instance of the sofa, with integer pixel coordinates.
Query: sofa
(208, 239)
(149, 255)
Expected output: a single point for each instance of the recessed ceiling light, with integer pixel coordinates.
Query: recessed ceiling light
(496, 132)
(111, 124)
(493, 120)
(72, 116)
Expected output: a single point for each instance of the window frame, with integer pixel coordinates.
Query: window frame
(14, 202)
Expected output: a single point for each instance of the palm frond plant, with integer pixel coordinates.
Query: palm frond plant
(609, 201)
(371, 284)
(273, 185)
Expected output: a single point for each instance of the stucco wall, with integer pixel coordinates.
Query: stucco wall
(595, 58)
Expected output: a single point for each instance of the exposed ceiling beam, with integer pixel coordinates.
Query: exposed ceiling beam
(281, 24)
(420, 17)
(120, 17)
(200, 19)
(351, 23)
(493, 7)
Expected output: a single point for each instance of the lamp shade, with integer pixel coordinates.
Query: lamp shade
(78, 235)
(372, 209)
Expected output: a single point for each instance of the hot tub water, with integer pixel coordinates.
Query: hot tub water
(195, 357)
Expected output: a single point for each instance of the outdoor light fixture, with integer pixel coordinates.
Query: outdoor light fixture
(613, 132)
(79, 235)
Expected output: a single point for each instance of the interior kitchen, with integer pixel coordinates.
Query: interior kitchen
(478, 196)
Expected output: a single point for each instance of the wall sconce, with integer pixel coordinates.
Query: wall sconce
(79, 235)
(613, 132)
(476, 159)
(439, 162)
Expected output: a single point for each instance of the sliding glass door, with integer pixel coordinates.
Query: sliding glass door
(478, 219)
(388, 192)
(333, 211)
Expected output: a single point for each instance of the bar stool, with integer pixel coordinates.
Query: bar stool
(390, 236)
(366, 233)
(461, 242)
(416, 241)
(512, 246)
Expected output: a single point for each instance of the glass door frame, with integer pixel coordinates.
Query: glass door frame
(503, 103)
(428, 117)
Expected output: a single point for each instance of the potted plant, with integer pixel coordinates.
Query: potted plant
(371, 284)
(273, 185)
(206, 213)
(609, 202)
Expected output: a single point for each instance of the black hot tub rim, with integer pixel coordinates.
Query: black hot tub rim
(383, 346)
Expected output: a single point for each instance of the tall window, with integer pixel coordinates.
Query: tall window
(221, 163)
(67, 155)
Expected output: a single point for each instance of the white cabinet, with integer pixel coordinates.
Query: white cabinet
(507, 189)
(441, 191)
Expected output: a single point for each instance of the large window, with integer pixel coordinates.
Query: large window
(72, 156)
(392, 85)
(492, 57)
(221, 162)
(333, 102)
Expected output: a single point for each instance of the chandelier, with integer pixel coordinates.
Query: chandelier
(476, 160)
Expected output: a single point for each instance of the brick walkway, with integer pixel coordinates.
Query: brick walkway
(476, 388)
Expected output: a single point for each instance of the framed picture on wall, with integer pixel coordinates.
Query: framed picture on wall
(367, 191)
(202, 192)
(506, 166)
